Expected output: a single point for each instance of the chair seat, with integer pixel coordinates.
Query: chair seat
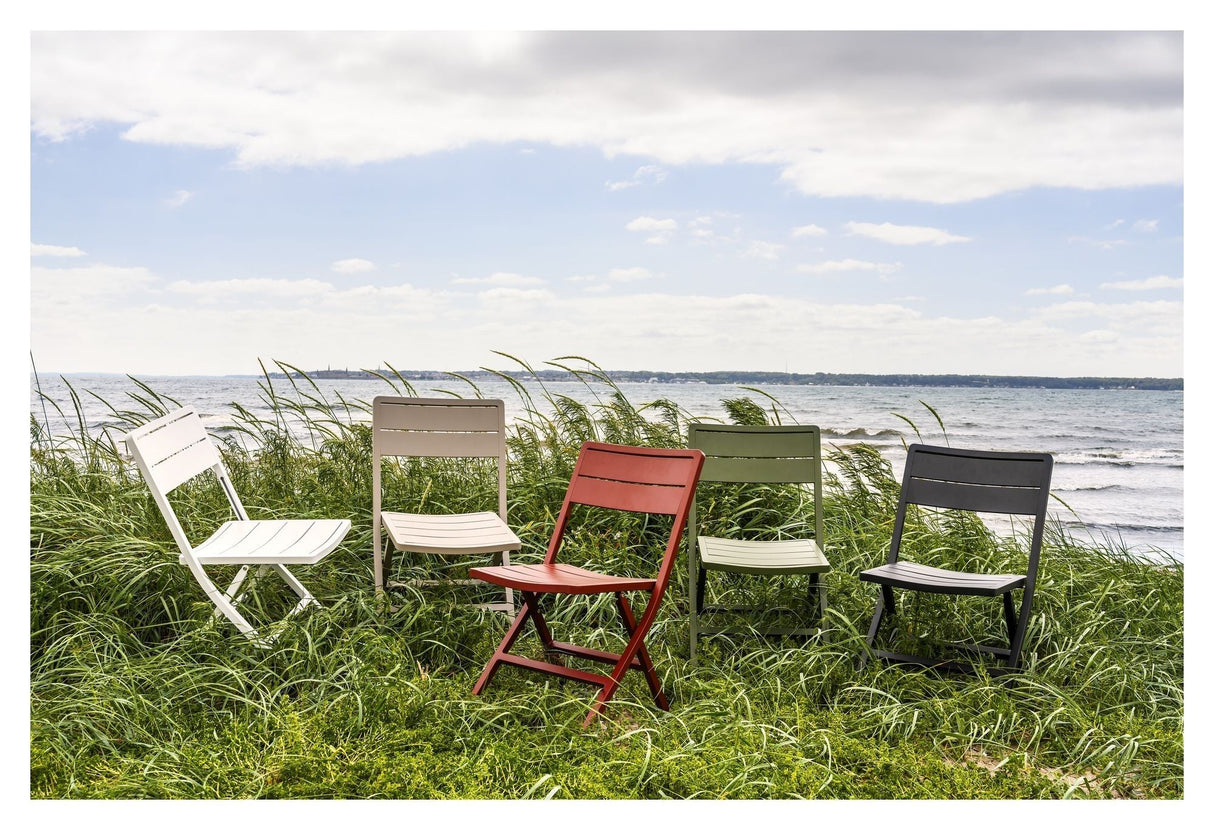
(940, 581)
(272, 542)
(558, 579)
(452, 534)
(800, 556)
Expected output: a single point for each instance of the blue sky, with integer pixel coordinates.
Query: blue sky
(996, 203)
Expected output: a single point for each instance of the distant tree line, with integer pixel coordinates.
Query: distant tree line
(796, 379)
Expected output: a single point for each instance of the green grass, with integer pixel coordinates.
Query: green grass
(135, 692)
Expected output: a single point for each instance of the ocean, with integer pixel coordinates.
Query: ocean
(1119, 454)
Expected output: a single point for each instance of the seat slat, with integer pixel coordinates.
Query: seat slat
(558, 579)
(782, 555)
(920, 577)
(453, 534)
(272, 542)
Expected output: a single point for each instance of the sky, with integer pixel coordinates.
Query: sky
(1001, 202)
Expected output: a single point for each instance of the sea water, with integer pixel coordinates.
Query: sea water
(1119, 454)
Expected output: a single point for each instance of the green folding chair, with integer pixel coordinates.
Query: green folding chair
(756, 455)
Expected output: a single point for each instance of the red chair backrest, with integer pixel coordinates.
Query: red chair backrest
(636, 479)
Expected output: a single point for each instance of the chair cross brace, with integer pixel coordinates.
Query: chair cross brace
(634, 656)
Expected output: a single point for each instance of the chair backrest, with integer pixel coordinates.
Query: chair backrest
(760, 455)
(170, 451)
(1013, 483)
(438, 428)
(634, 479)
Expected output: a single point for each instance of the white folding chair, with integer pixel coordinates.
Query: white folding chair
(175, 449)
(440, 428)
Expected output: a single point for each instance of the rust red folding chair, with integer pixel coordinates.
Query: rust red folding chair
(633, 479)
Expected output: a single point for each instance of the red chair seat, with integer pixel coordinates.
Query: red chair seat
(558, 579)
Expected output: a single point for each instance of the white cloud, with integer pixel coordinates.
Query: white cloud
(646, 174)
(1075, 109)
(54, 250)
(763, 250)
(352, 266)
(1146, 225)
(631, 274)
(1103, 244)
(1055, 289)
(500, 278)
(1149, 284)
(903, 234)
(660, 228)
(178, 198)
(809, 230)
(222, 290)
(836, 266)
(81, 319)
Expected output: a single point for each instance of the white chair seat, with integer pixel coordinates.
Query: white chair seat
(451, 534)
(272, 542)
(783, 555)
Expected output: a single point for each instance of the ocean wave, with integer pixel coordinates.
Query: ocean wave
(861, 432)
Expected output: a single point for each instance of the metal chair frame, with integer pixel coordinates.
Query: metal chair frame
(174, 449)
(1013, 483)
(633, 479)
(757, 455)
(440, 428)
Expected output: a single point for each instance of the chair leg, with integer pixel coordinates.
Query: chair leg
(1022, 621)
(636, 645)
(886, 598)
(815, 600)
(1009, 617)
(531, 611)
(651, 676)
(503, 558)
(693, 602)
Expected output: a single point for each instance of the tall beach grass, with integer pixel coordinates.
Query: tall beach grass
(136, 692)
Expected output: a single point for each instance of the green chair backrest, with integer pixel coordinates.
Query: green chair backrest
(759, 455)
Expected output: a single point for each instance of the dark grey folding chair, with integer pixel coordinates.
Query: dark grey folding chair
(1013, 483)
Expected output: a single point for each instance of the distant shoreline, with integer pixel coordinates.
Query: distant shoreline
(779, 379)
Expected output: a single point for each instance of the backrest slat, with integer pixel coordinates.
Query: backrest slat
(438, 427)
(977, 480)
(173, 449)
(438, 414)
(631, 468)
(978, 498)
(637, 479)
(761, 470)
(735, 441)
(1000, 469)
(619, 495)
(437, 444)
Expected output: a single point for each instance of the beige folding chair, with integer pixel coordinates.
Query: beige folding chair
(174, 449)
(440, 428)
